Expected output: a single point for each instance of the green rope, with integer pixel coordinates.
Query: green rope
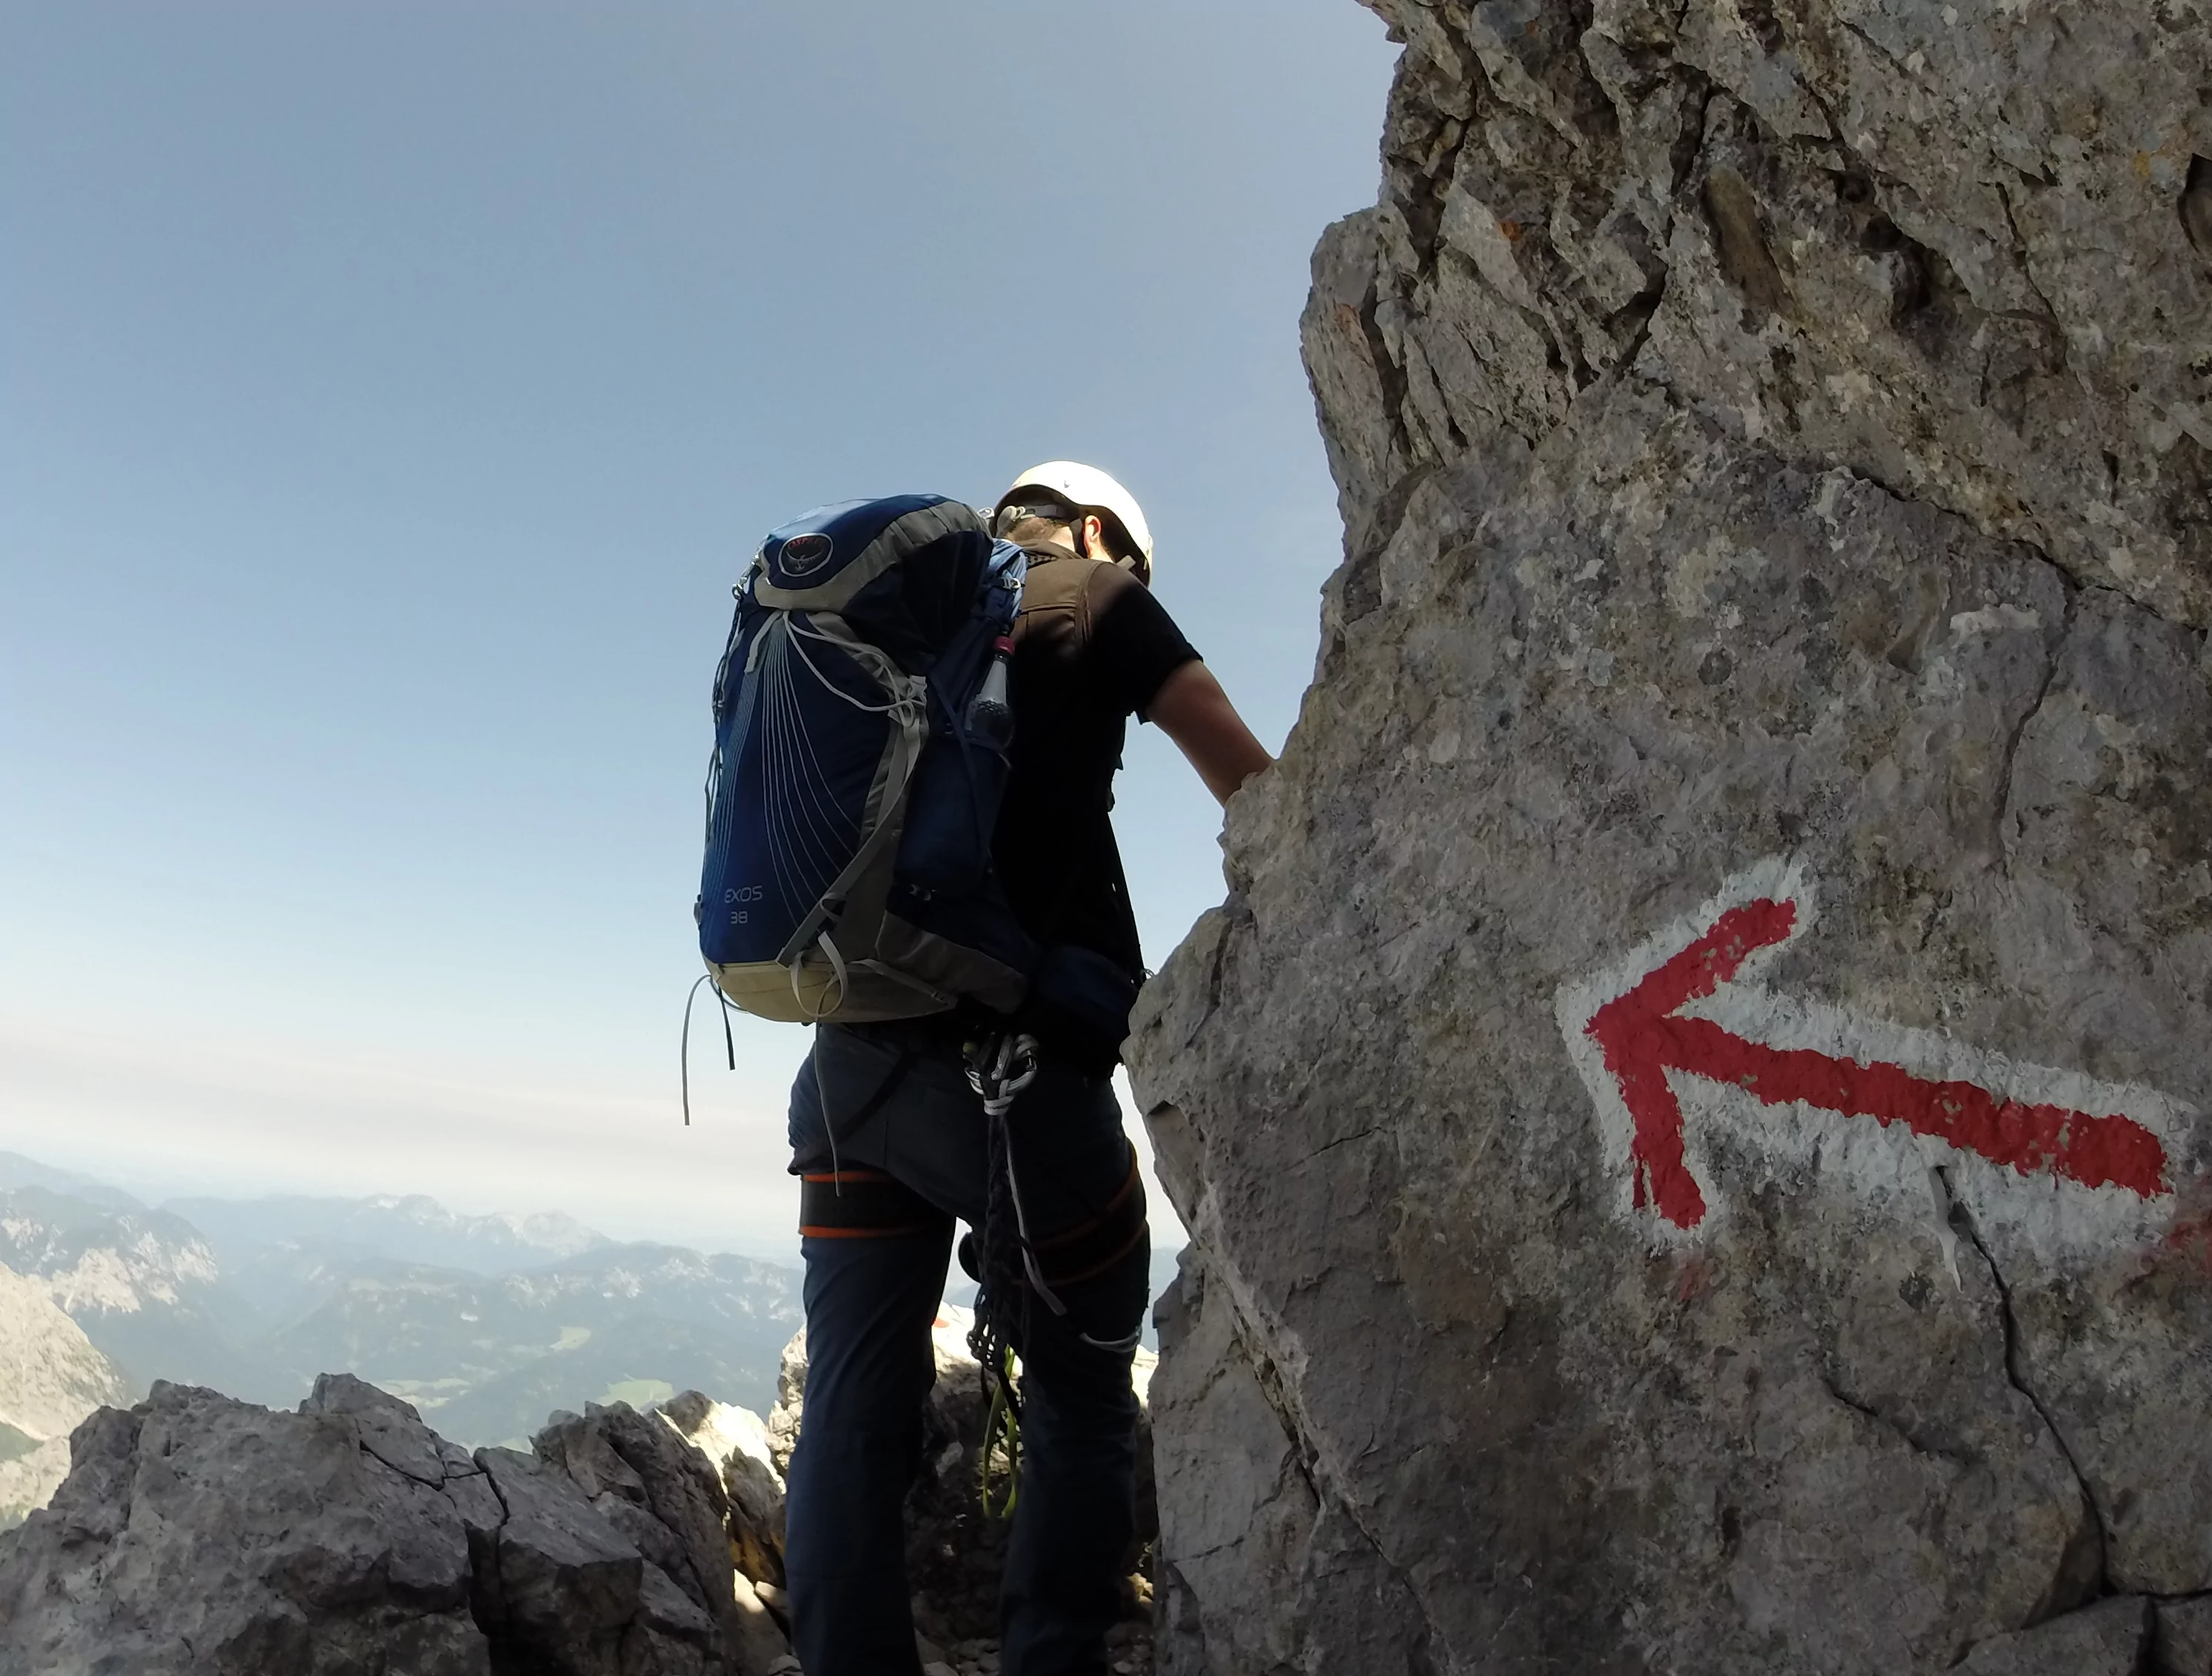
(1002, 1439)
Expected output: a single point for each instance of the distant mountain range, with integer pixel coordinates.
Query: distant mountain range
(246, 1234)
(486, 1323)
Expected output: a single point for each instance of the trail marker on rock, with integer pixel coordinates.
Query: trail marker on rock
(1679, 1008)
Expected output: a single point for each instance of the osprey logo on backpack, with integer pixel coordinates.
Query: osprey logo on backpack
(802, 554)
(851, 807)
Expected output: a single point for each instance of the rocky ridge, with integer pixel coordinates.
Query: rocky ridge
(1691, 1117)
(196, 1533)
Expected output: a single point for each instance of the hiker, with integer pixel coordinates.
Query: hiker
(893, 1139)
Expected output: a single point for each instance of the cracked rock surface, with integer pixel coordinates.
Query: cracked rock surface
(1774, 438)
(198, 1534)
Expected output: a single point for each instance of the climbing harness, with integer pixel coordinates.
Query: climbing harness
(837, 1204)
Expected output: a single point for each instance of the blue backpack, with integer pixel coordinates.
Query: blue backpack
(862, 722)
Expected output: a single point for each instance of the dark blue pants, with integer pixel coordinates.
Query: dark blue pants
(870, 1302)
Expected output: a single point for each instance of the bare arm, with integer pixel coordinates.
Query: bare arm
(1191, 709)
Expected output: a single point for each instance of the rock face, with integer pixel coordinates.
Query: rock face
(50, 1377)
(198, 1534)
(143, 1284)
(1692, 1117)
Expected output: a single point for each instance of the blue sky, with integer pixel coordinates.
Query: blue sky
(389, 395)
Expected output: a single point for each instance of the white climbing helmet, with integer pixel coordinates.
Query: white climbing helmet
(1088, 489)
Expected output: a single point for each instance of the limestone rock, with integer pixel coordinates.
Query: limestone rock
(640, 1477)
(1240, 1507)
(2104, 1640)
(2181, 1638)
(195, 1533)
(737, 1444)
(563, 1584)
(28, 1481)
(790, 1400)
(390, 1429)
(1962, 251)
(51, 1378)
(760, 1641)
(1693, 1115)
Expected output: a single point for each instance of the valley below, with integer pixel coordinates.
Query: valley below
(485, 1323)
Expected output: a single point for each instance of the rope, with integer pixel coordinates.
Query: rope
(999, 1068)
(1002, 1440)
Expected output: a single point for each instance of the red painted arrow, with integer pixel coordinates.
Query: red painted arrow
(1642, 1038)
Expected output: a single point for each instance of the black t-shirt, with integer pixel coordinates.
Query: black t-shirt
(1091, 647)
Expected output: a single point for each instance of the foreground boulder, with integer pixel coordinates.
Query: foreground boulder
(1692, 1117)
(198, 1534)
(195, 1533)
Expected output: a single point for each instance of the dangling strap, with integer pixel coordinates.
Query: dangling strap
(816, 1015)
(729, 1041)
(868, 1108)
